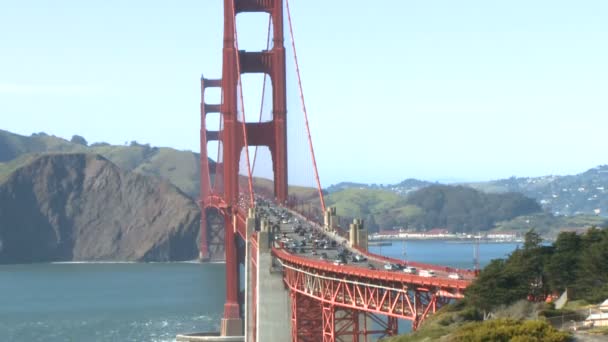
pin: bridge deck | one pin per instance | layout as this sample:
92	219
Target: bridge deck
305	243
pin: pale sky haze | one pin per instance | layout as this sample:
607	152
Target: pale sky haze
443	89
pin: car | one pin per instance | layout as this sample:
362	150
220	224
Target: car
324	256
427	273
455	276
389	267
371	267
360	257
338	262
410	270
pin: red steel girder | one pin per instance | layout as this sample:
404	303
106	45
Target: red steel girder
396	300
306	318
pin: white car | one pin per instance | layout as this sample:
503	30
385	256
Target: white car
427	273
454	276
410	270
389	267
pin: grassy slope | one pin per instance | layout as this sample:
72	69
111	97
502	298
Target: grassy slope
362	202
451	321
549	225
179	167
182	168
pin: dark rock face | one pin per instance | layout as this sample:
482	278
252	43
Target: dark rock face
68	207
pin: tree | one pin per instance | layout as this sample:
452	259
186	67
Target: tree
496	285
592	273
77	139
565	259
532	240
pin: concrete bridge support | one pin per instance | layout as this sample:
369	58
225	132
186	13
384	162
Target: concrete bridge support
272	319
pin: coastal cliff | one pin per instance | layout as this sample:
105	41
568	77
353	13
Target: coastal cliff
81	207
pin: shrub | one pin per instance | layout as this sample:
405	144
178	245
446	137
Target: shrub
506	330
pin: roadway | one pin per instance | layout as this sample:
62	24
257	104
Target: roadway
306	239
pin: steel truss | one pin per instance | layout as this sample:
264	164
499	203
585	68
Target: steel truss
351	296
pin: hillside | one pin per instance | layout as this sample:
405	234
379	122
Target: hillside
457	208
464	209
584	193
403	188
64	207
181	168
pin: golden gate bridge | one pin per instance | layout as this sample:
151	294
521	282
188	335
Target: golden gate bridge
262	200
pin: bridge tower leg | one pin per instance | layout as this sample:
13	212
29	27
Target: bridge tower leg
272	134
209	233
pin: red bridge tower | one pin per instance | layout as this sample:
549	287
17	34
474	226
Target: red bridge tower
234	135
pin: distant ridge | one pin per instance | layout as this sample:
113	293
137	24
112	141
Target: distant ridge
182	168
583	193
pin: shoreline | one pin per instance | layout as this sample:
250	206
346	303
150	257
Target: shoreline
446	239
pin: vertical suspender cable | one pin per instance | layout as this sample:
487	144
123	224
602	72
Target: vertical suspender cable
238	71
312	151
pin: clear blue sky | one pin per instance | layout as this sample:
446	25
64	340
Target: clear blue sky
436	90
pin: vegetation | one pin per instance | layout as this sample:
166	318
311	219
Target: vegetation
464	209
511	292
560	195
440	324
462	322
454	207
548	225
573	262
181	168
380	208
506	330
583	193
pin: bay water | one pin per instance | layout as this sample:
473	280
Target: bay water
152	301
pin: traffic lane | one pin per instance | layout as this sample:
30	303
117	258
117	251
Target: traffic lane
330	254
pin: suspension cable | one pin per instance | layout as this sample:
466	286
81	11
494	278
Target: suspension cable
312	151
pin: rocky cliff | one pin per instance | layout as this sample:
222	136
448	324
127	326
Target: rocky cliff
72	207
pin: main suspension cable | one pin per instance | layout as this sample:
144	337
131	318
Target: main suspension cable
312	151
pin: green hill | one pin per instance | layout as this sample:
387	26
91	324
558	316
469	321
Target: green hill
13	145
583	193
182	168
464	209
457	208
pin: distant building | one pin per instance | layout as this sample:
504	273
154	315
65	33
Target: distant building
598	318
502	235
437	232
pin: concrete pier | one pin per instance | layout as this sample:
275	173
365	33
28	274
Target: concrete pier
273	304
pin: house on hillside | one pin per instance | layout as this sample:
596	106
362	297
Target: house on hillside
598	318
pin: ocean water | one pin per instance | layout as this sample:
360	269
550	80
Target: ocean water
150	301
109	301
449	253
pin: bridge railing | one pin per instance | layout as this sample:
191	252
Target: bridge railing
456	285
421	265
